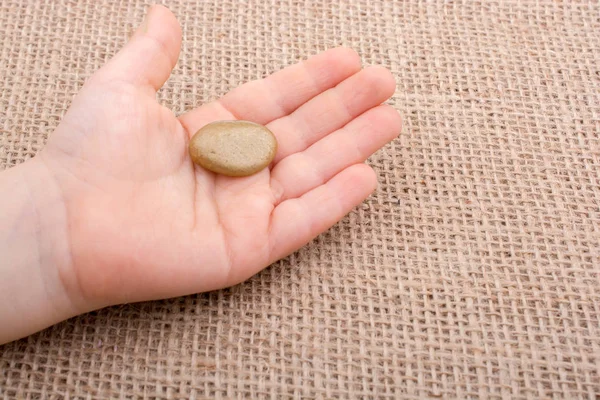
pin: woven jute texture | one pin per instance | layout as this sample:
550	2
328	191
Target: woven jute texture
472	272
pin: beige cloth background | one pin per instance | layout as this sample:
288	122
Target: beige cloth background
472	272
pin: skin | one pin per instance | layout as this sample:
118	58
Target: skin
113	210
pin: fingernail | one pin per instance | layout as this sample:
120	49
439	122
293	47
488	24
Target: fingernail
144	25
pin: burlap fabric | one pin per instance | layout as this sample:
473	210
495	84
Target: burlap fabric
472	272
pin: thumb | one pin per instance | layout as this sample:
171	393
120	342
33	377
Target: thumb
150	55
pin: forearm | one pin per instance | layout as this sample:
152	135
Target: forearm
33	252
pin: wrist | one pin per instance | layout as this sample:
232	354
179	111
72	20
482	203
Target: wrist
35	266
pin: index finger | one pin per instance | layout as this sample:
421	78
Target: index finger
279	94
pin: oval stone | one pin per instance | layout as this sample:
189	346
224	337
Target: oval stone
233	148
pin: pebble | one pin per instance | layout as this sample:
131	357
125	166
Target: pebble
233	148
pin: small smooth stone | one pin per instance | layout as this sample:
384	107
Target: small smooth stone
233	148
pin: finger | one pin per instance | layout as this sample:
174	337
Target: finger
279	94
295	222
354	143
149	57
331	110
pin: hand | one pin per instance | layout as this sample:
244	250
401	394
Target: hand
141	221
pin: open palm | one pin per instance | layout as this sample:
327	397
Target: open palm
144	222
